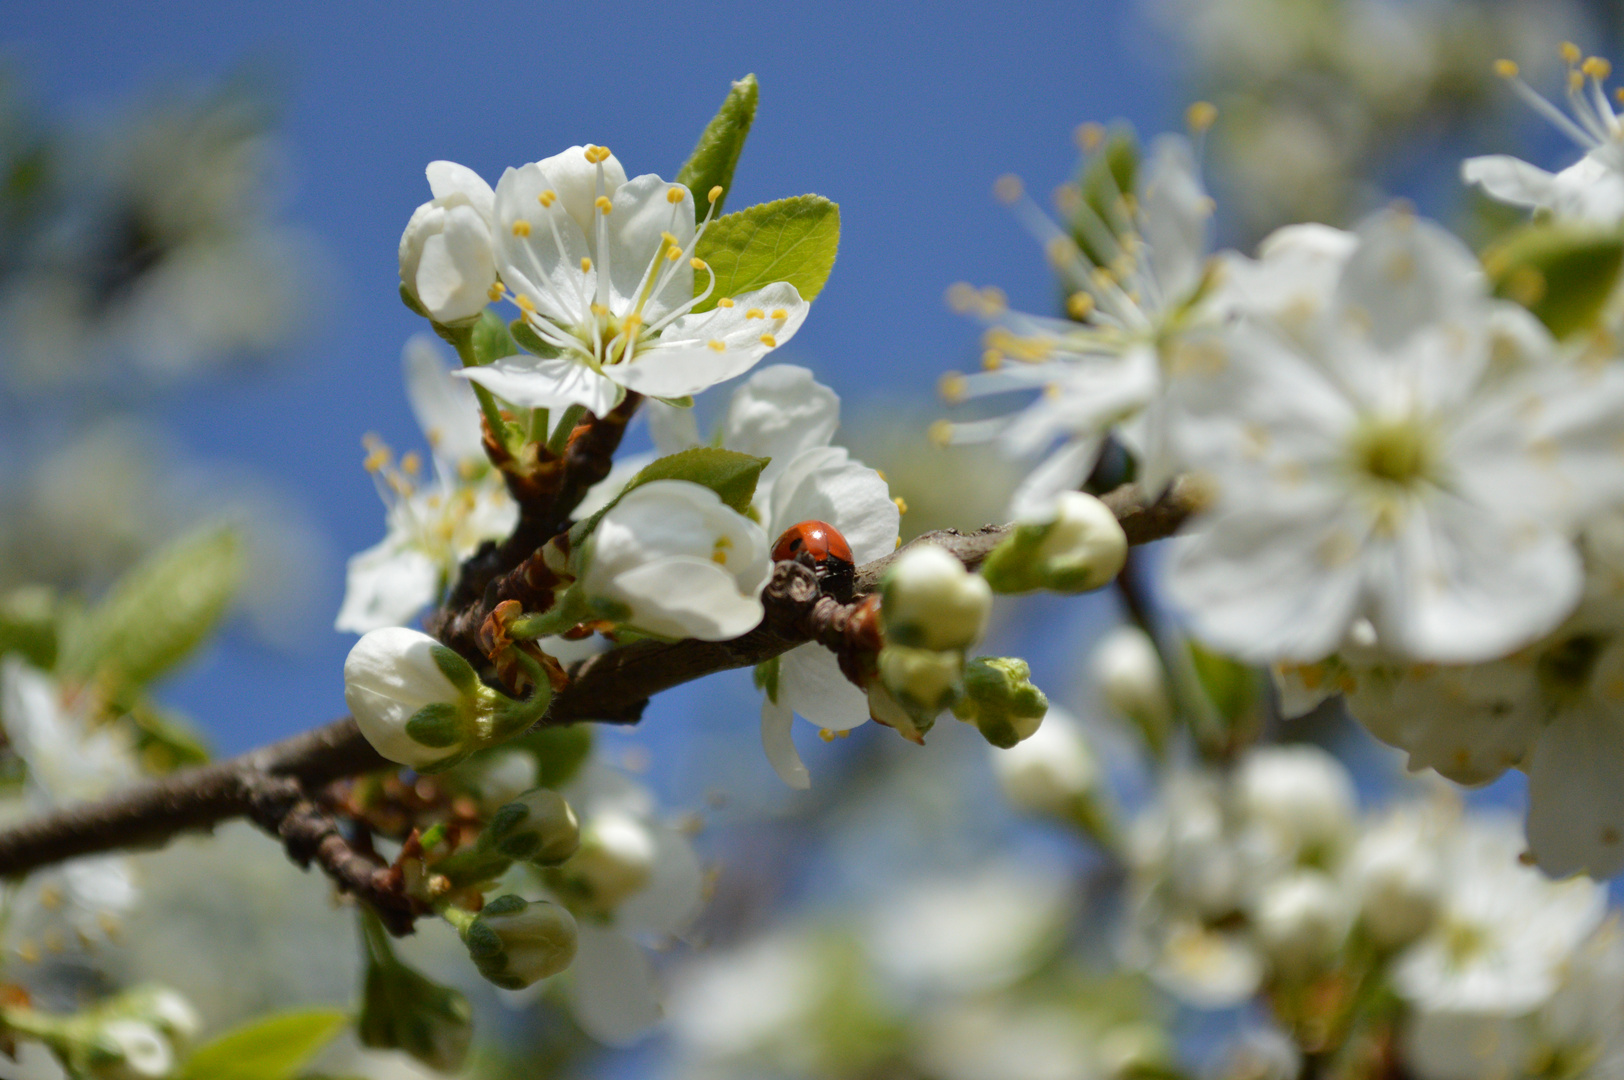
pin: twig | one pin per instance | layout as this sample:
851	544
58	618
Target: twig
612	687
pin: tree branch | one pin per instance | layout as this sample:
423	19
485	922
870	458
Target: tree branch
612	687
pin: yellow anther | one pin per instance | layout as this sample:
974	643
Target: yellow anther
1103	278
952	386
714	193
411	463
780	313
586	265
1576	81
668	238
699	264
1080	305
715	346
1200	116
1569	52
719	557
1619	94
1008	189
769	341
598	309
1052	391
941	433
992	360
1597	68
376	460
826	735
755	313
1506	69
596	154
50	897
902	504
525	304
548	197
961	297
726	301
723	542
993	300
673	254
521	228
881	474
603	204
495	291
673	194
1089	136
1062	250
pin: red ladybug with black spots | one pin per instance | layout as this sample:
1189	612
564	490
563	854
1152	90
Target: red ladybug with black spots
819	547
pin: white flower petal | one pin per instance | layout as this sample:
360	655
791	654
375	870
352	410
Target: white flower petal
1064	470
616	998
539	248
778	412
682	596
673	428
1176	212
536	382
1406	274
1510	180
450	181
575	181
642	213
445	407
811	683
457	267
386	585
675	891
1576	793
685	359
824	484
778	740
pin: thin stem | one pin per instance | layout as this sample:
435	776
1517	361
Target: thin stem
463	341
566	425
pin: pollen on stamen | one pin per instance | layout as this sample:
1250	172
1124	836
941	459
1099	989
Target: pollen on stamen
1569	52
673	254
673	194
769	341
1052	391
993	301
521	228
1008	189
700	264
714	193
525	304
755	313
715	346
495	291
961	297
941	433
780	313
952	387
902	504
1080	305
1200	116
826	735
603	204
596	154
586	265
1089	136
411	463
1062	251
1597	68
992	360
726	301
548	197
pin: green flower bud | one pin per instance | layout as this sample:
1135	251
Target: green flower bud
1000	700
910	722
537	827
416	701
1078	547
515	943
923	680
403	1010
930	601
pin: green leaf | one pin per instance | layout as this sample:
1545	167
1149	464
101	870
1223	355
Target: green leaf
490	338
159	612
793	240
525	337
559	752
1563	273
28	625
717	152
1234	689
165	740
273	1048
730	474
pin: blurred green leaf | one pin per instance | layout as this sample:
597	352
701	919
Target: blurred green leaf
491	339
717	153
1564	273
28	625
793	240
1233	688
165	740
273	1048
158	613
559	752
730	474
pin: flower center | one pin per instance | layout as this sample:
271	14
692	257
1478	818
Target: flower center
1395	451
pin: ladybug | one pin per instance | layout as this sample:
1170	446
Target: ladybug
819	546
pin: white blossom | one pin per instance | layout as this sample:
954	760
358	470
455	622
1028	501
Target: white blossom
446	260
432	526
1384	464
396	687
602	270
671	558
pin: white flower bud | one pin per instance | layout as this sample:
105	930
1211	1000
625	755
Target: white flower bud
1051	772
501	776
931	601
446	261
515	943
537	827
135	1049
921	679
671	558
614	863
1073	544
1131	679
1396	880
1300	798
412	700
1302	920
172	1013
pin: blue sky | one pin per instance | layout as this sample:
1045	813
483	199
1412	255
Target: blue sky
904	114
